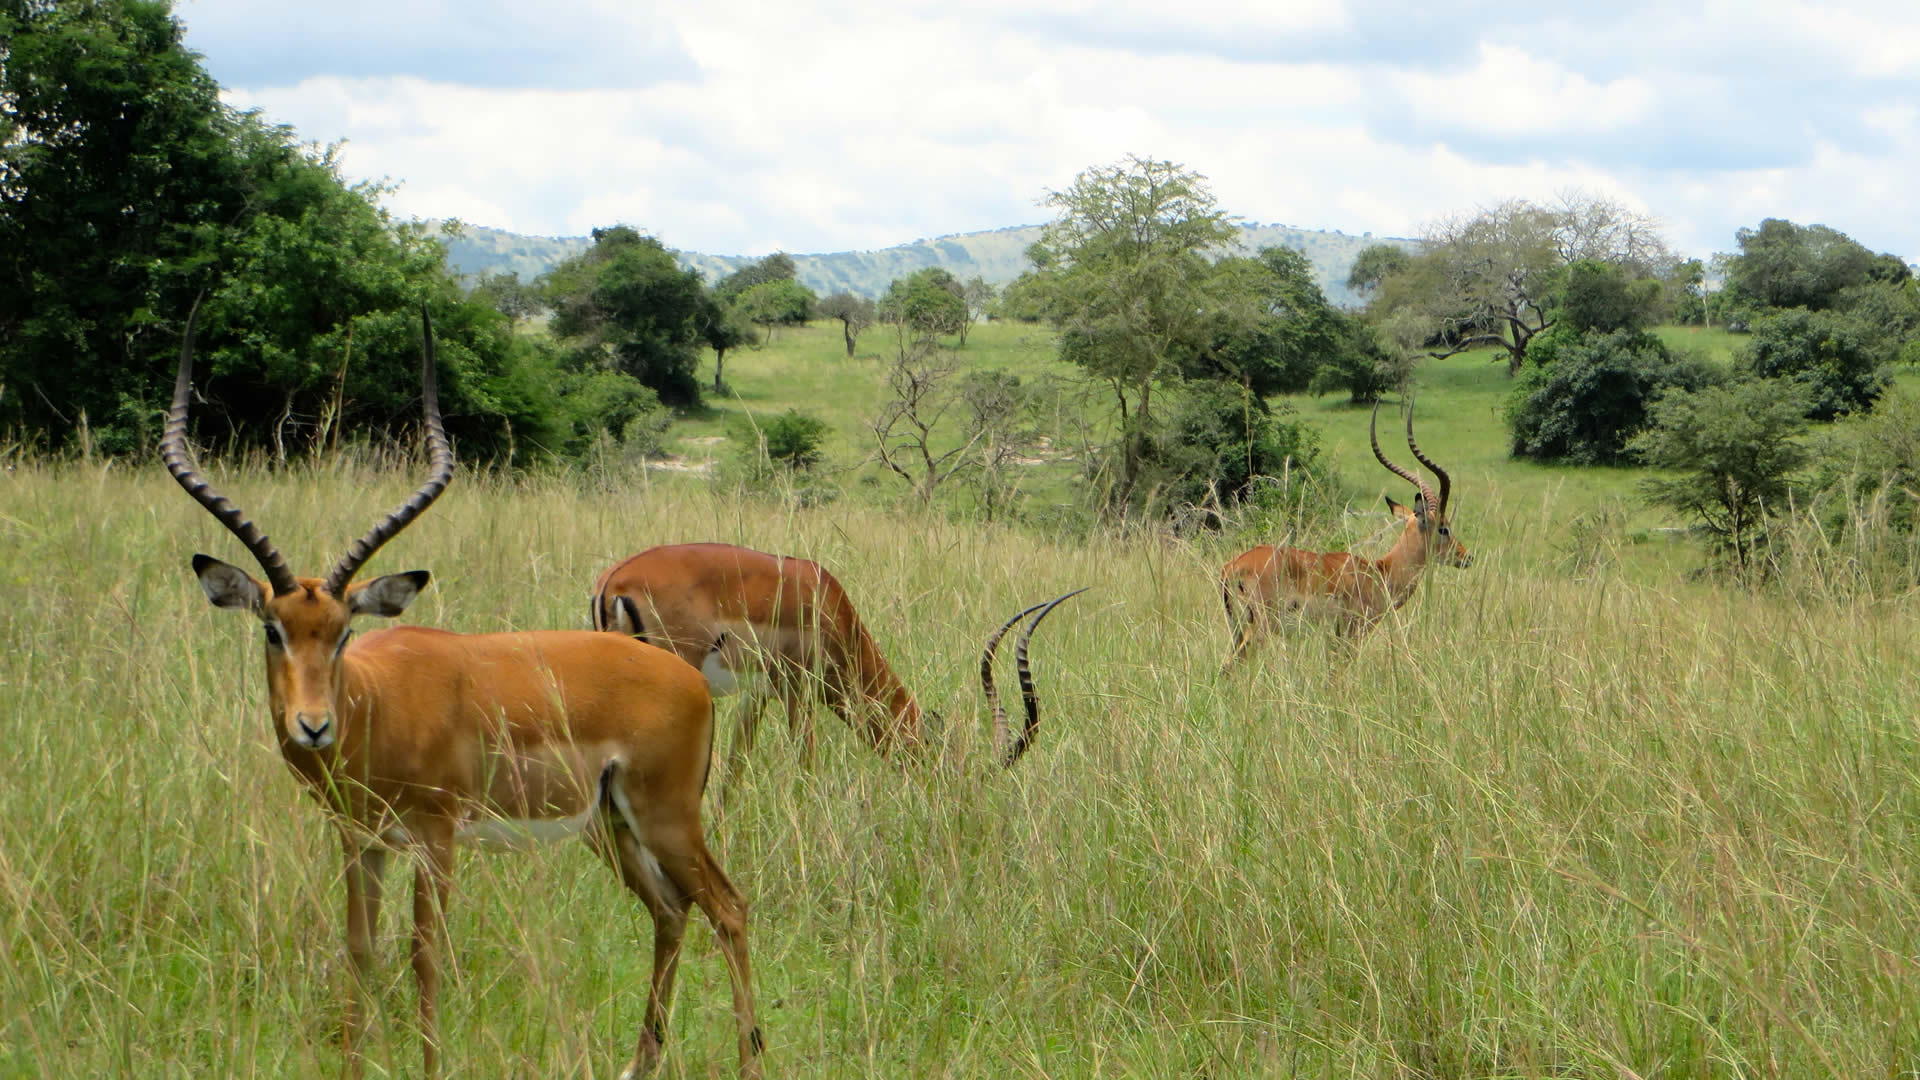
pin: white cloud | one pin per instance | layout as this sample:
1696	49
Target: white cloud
854	125
1512	93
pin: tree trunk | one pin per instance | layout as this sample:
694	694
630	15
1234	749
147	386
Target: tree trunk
846	328
719	364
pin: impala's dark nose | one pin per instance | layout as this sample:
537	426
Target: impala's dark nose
313	731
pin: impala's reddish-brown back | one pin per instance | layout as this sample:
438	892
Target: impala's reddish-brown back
414	738
1351	593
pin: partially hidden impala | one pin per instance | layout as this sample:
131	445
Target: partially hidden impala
1350	592
758	622
413	738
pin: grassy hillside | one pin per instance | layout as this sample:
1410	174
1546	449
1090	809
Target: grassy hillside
998	255
1537	826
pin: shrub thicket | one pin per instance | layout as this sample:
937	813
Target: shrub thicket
1594	393
1831	356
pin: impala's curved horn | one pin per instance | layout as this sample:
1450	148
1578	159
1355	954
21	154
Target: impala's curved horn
1373	436
1446	482
1012	748
440	460
173	451
986	678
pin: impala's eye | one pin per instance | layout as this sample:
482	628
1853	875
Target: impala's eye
1443	531
274	640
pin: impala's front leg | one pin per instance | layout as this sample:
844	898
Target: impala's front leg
431	882
366	865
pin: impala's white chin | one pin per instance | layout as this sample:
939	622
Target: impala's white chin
308	741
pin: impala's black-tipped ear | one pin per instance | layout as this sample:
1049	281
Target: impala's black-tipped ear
228	586
387	596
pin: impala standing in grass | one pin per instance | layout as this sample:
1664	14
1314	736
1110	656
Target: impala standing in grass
1352	593
413	738
760	622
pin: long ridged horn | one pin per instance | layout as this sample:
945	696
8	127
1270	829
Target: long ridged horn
1011	750
1446	482
440	460
1373	436
173	451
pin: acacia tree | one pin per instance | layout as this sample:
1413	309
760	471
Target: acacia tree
977	296
778	266
1124	269
1374	264
777	302
725	328
1734	450
508	295
854	312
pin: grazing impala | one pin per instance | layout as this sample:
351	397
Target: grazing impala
1337	586
744	616
413	738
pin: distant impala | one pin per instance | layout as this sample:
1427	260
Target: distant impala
1337	586
740	614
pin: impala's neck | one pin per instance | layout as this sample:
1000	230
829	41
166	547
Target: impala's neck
1400	568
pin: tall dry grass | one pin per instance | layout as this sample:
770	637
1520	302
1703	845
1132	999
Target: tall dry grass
1539	825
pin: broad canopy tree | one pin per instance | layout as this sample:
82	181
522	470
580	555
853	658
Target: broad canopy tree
929	302
127	189
1498	277
626	305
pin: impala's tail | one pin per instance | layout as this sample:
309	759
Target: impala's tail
618	614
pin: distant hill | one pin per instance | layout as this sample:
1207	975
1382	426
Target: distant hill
998	256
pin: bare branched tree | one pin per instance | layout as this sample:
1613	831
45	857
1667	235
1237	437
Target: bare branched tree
921	379
999	408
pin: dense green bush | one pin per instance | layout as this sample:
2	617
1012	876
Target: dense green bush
1829	355
1359	363
1594	394
1217	442
1600	298
793	439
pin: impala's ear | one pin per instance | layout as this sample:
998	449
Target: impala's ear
386	596
1398	510
228	586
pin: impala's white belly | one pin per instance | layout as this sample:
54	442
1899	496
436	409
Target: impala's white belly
724	680
499	832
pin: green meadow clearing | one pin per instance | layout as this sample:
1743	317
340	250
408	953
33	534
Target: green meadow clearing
1571	813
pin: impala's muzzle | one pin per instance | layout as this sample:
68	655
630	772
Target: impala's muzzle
313	730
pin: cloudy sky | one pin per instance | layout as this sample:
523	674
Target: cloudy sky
745	128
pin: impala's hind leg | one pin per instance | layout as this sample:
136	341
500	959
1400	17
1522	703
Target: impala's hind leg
662	856
693	872
615	841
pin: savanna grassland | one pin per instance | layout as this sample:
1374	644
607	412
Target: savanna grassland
1571	813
